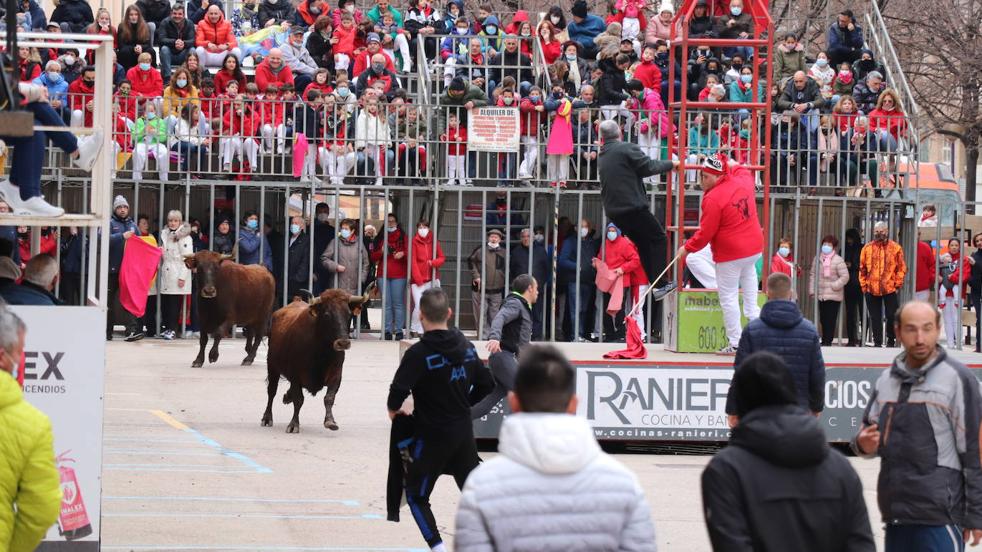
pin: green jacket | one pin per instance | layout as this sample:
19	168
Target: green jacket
472	94
376	15
787	62
28	476
140	131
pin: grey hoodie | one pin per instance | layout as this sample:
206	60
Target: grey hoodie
551	488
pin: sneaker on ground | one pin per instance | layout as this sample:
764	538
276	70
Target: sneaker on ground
729	350
134	336
37	206
88	150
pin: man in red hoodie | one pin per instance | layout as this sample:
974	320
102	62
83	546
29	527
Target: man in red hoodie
729	223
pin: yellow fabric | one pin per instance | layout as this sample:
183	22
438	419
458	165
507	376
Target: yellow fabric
28	476
152	284
173	104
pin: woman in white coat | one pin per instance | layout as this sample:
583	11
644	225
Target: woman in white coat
175	276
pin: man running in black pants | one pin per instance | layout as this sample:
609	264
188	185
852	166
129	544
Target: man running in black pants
622	167
511	330
446	377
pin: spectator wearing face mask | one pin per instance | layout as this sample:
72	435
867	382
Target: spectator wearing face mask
865	65
576	258
487	264
145	79
881	274
57	89
427	259
254	247
736	24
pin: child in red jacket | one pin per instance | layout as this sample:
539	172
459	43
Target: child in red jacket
343	42
456	138
238	136
531	116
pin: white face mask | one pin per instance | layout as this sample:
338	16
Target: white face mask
539	238
423	232
584	232
350	8
493	245
554	19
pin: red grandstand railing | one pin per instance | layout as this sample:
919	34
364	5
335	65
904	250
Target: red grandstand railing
762	44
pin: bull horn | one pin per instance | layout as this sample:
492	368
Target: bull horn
189	255
357	301
227	257
314	301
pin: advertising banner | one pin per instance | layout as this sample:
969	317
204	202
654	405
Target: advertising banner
63	377
493	129
631	402
694	321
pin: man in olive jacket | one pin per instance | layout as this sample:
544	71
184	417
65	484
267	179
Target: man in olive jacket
30	491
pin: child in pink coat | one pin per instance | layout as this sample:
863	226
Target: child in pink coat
560	144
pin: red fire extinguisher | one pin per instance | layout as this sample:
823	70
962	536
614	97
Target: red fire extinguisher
73	522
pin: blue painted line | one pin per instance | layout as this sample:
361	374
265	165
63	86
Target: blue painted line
255	548
246	515
209	442
234	499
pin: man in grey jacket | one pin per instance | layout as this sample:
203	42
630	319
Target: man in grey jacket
928	407
551	488
511	331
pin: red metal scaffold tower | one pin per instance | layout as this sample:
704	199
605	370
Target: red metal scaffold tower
761	42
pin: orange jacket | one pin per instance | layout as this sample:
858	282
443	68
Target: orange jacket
881	268
219	33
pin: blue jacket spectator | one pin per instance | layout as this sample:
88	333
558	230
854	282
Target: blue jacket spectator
39	21
844	43
249	245
119	224
782	330
28	294
569	264
9	234
584	27
57	87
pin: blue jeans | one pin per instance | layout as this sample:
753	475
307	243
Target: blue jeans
924	538
579	308
188	150
395	304
29	151
169	58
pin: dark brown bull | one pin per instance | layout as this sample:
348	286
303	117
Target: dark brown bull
307	342
230	293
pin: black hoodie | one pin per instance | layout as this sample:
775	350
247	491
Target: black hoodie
778	486
446	377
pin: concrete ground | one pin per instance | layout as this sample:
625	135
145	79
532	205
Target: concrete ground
188	467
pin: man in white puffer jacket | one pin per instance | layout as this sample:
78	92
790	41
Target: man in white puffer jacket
551	488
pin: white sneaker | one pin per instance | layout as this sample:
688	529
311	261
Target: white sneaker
37	206
88	149
378	181
11	194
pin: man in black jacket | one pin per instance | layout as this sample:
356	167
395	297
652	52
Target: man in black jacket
175	36
778	485
445	377
622	167
511	330
154	11
538	266
511	62
782	329
298	259
76	15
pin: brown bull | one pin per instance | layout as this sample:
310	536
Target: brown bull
307	342
228	294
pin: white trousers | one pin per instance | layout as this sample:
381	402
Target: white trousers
731	277
528	164
417	292
639	315
951	314
335	165
922	295
650	144
702	266
557	168
143	151
456	171
215	59
267	132
341	62
244	148
630	28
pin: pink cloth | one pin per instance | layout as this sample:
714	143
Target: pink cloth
561	136
827	265
611	283
299	153
140	261
635	347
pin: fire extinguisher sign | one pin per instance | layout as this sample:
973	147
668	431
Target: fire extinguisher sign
63	370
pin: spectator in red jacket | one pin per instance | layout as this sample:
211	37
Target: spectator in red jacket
783	261
926	269
239	136
145	80
392	273
127	101
427	259
30	64
273	71
648	72
621	255
531	116
81	94
49	245
321	82
951	290
214	38
230	71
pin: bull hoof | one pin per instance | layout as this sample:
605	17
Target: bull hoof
197	364
247	361
331	424
293	428
213	357
266	422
